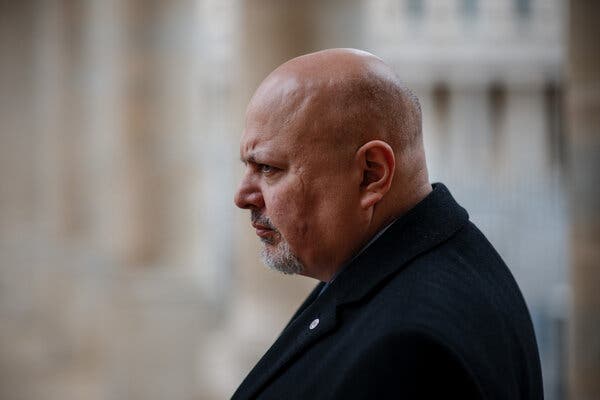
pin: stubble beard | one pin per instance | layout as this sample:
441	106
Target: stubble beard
276	253
280	258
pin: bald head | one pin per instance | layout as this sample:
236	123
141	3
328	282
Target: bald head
349	95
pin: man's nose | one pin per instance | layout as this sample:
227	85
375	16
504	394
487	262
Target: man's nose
248	195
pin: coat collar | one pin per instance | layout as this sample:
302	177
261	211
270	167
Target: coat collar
434	220
431	222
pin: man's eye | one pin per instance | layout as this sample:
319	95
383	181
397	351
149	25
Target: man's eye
266	169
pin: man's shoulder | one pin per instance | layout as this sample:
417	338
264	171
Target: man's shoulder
465	273
454	291
457	301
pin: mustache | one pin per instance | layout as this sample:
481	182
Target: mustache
256	218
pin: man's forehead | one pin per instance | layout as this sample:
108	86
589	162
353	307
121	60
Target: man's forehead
250	146
277	116
260	129
256	145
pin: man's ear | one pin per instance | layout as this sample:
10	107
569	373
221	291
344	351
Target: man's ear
377	161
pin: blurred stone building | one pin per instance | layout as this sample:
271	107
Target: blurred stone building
126	272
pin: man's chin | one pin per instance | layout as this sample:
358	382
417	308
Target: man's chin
279	257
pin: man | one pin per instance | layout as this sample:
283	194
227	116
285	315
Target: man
413	302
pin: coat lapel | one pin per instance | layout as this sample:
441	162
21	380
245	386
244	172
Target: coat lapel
429	223
295	338
309	300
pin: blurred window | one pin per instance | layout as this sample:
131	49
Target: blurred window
415	8
523	8
469	8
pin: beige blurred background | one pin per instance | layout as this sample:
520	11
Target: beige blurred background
125	270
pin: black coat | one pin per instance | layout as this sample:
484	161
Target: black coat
429	310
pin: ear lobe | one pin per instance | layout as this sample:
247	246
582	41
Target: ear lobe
378	163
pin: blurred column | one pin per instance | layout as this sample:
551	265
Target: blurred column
583	118
158	149
17	200
156	230
17	130
143	219
53	88
100	154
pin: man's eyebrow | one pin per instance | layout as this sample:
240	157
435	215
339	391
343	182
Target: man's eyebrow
248	159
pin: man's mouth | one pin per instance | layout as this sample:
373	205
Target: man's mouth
263	227
263	230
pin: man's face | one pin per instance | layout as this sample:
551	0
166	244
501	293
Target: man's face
300	187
